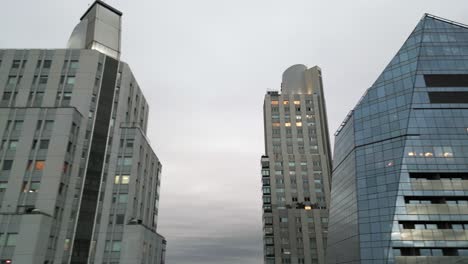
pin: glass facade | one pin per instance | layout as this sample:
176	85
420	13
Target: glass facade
400	176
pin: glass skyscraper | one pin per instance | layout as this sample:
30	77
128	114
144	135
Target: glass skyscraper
296	169
400	176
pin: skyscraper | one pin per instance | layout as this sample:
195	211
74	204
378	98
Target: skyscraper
79	181
400	176
296	169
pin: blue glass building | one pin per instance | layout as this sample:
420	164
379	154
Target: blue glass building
400	176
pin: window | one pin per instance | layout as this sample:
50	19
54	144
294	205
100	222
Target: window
39	124
274	102
122	179
34	187
74	64
16	64
113	246
125	179
39	165
119	219
67	95
3	186
446	80
47	64
65	167
129	143
18	125
7	164
11	239
71	80
123	198
11	80
43	79
296	102
6	96
285	102
125	161
44	144
49	125
12	145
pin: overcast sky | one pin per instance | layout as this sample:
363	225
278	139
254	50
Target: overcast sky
204	67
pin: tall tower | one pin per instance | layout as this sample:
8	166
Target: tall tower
79	181
296	169
400	176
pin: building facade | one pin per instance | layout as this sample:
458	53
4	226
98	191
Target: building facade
400	176
79	181
296	170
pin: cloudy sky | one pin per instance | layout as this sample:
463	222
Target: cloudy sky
204	67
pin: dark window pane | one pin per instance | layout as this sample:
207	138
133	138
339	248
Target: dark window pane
446	80
448	97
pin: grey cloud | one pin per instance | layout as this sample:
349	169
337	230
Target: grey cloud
204	67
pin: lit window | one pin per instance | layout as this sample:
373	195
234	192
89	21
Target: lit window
276	124
125	179
299	124
287	124
308	207
39	165
122	179
411	154
274	102
285	102
297	102
428	154
448	154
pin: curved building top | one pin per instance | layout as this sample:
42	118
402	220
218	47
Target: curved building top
297	79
